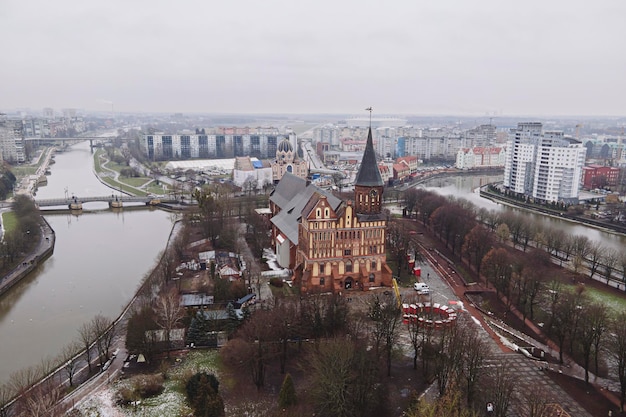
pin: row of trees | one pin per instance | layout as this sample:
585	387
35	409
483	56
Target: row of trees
452	220
36	390
7	182
526	278
25	234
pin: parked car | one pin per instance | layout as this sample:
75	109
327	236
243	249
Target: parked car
421	288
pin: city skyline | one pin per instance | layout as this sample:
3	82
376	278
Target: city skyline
480	58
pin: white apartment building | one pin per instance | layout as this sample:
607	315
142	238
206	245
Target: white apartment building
543	165
480	157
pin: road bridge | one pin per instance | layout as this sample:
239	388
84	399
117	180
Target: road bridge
105	199
91	139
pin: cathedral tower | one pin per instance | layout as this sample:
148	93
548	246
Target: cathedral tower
368	187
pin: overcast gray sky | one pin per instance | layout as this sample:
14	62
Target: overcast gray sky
531	57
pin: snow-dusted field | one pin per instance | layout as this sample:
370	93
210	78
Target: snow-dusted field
170	403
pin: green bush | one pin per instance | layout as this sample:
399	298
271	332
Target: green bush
125	396
149	385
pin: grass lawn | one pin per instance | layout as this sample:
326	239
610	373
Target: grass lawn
155	188
9	221
24	170
284	291
171	402
612	301
135	181
129	184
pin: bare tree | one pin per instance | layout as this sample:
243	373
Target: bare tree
502	387
567	248
345	380
526	232
87	336
448	357
410	200
600	320
622	262
554	240
610	258
581	245
253	346
104	330
41	399
496	266
617	347
6	396
531	281
169	313
535	400
386	315
473	359
69	360
22	380
477	243
593	257
503	232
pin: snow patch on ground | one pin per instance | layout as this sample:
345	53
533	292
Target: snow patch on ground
100	405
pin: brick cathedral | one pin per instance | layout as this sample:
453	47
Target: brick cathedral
332	244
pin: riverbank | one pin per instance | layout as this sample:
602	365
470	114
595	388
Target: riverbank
600	225
43	251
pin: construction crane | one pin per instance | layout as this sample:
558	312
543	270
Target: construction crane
396	291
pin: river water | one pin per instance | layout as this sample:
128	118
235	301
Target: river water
467	188
98	263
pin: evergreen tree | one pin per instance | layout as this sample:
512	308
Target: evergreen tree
287	395
203	395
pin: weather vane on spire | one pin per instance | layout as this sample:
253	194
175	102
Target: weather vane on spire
369	109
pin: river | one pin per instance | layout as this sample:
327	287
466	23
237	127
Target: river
467	187
98	263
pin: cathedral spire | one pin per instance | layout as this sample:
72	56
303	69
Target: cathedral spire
369	175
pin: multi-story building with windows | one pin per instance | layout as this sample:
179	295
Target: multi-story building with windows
598	176
546	166
329	243
211	146
11	140
479	157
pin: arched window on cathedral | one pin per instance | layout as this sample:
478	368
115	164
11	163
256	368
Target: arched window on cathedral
348	266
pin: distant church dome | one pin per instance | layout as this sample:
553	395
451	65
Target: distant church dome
285	146
285	153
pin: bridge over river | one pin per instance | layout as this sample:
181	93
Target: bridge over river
111	199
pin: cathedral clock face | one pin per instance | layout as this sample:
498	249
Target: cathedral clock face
373	193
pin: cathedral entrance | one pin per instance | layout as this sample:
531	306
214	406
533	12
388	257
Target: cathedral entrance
348	282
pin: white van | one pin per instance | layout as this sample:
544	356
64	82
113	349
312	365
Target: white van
421	288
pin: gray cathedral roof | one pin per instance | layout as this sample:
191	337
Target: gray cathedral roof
368	174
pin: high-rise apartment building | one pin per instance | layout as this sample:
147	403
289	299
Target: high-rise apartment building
546	166
11	141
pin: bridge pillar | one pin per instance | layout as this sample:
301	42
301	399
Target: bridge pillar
91	143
